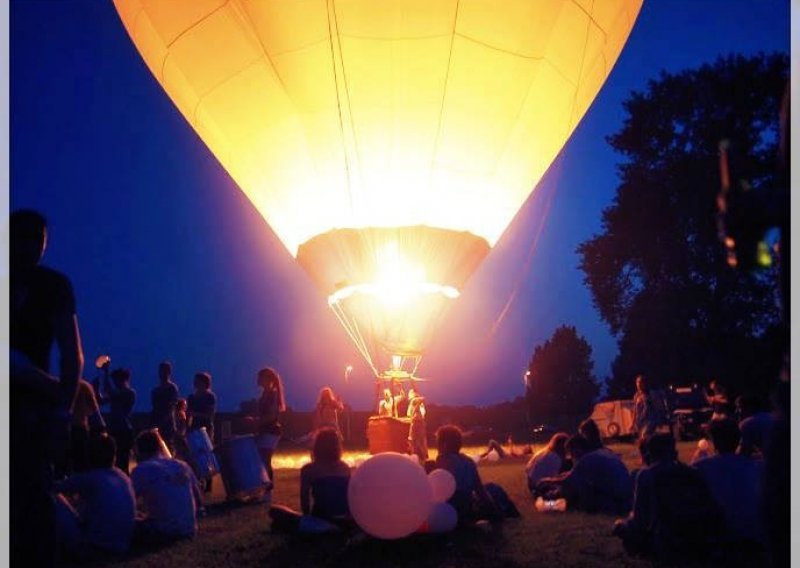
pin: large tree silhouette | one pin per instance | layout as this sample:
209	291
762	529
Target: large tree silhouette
657	272
560	378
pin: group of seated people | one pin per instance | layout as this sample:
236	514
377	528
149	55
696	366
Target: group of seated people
324	483
101	511
701	511
666	506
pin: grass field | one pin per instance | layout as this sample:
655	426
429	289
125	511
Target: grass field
239	535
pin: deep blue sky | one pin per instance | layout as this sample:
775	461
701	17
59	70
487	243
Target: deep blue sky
170	261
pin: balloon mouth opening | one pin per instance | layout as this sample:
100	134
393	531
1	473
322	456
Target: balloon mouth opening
393	295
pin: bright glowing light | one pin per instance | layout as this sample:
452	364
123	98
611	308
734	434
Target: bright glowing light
430	120
397	282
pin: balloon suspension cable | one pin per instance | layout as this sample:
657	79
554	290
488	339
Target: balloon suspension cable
355	335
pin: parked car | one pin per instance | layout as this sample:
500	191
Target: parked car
689	411
614	418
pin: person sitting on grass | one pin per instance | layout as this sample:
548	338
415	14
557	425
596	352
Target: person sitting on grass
755	425
674	516
472	499
167	492
547	462
102	520
323	490
736	483
597	483
588	429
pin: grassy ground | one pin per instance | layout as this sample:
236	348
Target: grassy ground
239	535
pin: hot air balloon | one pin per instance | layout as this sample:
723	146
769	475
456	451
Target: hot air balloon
387	143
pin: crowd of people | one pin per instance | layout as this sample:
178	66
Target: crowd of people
74	489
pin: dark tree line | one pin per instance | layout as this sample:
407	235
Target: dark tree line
657	271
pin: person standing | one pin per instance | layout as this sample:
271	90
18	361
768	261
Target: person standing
42	313
164	399
201	406
87	421
645	417
326	414
718	400
270	405
417	431
120	397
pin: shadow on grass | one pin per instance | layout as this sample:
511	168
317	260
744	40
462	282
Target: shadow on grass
474	546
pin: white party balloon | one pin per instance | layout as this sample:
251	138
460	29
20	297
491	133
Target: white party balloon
443	485
442	518
389	496
493	456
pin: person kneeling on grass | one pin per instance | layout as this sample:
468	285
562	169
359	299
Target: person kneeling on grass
167	491
472	499
102	519
323	490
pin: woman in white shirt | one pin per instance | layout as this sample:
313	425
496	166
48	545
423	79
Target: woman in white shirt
547	462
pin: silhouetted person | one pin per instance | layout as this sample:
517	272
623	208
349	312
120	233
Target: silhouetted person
42	313
201	406
270	405
597	483
167	492
591	433
417	431
674	516
103	516
547	462
326	413
735	482
163	398
323	489
87	421
121	398
755	424
471	499
645	417
718	400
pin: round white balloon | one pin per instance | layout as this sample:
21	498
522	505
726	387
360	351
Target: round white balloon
389	496
493	456
443	485
442	518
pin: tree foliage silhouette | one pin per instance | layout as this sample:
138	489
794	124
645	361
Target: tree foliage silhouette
657	272
560	378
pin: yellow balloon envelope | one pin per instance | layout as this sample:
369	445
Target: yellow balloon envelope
388	143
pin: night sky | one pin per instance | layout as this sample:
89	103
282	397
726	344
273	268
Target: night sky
170	261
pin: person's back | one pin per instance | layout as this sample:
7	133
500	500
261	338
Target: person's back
163	399
104	519
107	505
735	482
599	482
688	520
329	484
755	431
41	314
544	463
164	486
674	516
